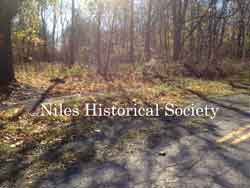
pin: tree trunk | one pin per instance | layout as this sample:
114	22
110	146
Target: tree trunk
166	34
178	21
45	54
54	34
148	33
131	50
110	47
62	25
199	44
211	30
72	40
6	66
99	38
192	37
176	34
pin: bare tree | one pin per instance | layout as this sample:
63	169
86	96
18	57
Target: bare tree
148	32
54	31
131	50
72	38
44	34
179	9
98	37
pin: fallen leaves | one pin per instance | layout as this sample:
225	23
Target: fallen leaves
208	87
17	144
8	114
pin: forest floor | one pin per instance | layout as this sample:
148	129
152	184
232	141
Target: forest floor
111	152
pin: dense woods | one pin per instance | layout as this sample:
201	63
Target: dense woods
106	33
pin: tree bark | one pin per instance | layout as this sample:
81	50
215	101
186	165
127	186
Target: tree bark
6	61
192	37
211	29
148	33
179	8
131	50
72	40
45	54
99	38
54	34
177	40
199	44
110	47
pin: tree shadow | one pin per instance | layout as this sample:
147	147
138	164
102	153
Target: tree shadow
169	149
11	169
187	164
218	165
220	104
96	173
77	146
